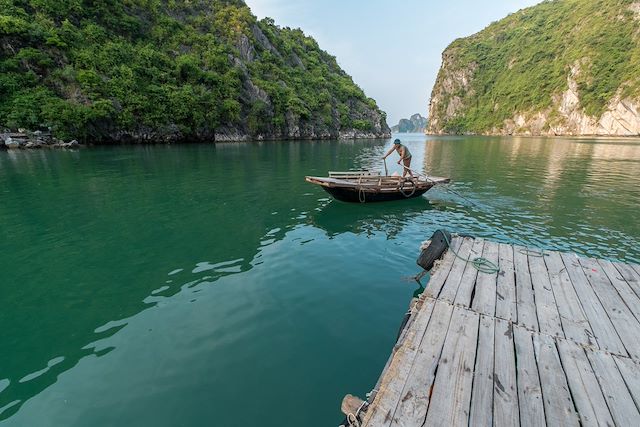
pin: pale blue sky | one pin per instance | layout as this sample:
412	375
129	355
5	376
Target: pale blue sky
391	48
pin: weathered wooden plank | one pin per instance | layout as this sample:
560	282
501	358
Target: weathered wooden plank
415	396
451	397
603	329
629	274
527	315
482	395
558	405
440	273
450	288
397	371
630	370
614	389
546	307
529	390
468	282
505	391
623	320
624	289
484	300
586	392
506	307
574	321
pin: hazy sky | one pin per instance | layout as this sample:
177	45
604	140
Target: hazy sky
391	48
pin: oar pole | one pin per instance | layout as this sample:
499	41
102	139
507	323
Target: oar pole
386	172
416	172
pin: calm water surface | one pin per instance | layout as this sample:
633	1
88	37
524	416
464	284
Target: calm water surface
210	285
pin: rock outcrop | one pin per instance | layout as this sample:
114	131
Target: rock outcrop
38	139
542	72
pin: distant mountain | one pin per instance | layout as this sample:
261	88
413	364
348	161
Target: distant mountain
416	124
563	67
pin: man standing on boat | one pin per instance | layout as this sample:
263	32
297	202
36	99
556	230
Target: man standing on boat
405	156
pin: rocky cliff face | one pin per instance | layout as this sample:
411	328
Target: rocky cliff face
171	71
415	124
565	67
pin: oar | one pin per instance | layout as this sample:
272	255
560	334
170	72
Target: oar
386	172
416	172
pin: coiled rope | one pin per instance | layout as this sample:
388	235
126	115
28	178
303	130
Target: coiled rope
481	264
401	189
362	196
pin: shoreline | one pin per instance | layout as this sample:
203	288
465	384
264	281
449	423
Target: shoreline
34	141
489	135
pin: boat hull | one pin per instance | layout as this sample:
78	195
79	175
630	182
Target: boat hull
351	195
358	187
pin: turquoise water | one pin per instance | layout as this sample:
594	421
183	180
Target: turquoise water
210	285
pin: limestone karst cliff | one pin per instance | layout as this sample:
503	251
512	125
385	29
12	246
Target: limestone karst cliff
179	70
563	67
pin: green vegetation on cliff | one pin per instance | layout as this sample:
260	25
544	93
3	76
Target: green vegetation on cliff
168	69
521	64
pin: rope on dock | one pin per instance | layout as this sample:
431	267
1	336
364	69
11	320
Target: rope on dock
481	264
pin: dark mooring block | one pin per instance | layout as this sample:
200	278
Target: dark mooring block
434	251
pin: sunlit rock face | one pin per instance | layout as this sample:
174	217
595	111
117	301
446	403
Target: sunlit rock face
541	71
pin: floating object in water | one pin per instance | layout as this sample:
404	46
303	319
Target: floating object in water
365	186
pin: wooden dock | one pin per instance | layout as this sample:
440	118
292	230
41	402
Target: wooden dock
551	339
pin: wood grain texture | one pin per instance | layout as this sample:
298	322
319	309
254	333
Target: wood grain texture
574	321
451	397
546	307
527	315
558	404
505	391
450	288
416	394
604	331
529	389
584	386
506	307
482	394
484	301
615	391
468	282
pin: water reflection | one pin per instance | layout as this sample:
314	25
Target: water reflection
336	218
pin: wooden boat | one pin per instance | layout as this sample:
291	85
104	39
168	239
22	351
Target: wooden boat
366	187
